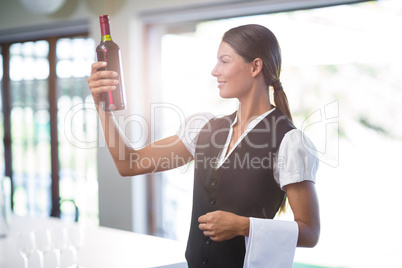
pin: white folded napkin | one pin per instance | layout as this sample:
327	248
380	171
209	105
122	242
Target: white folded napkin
271	243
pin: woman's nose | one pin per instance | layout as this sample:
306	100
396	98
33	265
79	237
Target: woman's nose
214	71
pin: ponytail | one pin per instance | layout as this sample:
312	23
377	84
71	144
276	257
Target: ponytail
281	102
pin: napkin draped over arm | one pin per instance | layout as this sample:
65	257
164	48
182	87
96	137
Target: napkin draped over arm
271	243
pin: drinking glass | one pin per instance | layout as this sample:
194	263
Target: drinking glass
43	244
76	237
26	246
59	243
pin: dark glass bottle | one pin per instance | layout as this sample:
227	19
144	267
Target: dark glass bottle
109	51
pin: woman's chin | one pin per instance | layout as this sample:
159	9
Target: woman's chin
225	95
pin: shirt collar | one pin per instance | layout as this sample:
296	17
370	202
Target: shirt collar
255	121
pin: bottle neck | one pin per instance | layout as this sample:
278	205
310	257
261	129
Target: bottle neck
105	31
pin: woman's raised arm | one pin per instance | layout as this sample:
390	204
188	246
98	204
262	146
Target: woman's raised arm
157	156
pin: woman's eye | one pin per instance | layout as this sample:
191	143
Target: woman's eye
224	61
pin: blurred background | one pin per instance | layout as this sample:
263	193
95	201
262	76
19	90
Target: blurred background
342	65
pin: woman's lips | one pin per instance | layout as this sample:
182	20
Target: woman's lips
221	84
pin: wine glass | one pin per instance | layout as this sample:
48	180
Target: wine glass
43	244
26	246
76	237
59	243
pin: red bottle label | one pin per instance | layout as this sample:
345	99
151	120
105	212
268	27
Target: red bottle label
104	24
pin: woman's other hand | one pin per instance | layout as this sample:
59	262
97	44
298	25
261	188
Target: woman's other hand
221	225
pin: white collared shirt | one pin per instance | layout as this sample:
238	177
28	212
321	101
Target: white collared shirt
296	160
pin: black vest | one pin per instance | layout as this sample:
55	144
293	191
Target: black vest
244	184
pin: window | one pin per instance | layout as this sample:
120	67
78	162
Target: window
52	123
29	70
77	124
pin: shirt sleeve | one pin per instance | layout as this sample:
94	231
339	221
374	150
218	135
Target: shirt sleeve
297	159
190	129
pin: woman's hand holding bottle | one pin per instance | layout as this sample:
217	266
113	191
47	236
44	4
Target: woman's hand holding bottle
101	81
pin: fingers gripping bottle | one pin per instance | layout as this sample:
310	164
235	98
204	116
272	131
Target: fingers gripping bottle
109	51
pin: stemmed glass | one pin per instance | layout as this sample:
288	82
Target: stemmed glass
43	244
26	245
76	237
59	243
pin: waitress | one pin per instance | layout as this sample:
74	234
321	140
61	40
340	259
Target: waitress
248	165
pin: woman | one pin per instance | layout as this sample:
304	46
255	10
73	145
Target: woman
246	163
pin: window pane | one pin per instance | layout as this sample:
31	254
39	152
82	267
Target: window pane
27	49
77	124
41	49
63	49
75	57
29	61
16	65
41	68
30	128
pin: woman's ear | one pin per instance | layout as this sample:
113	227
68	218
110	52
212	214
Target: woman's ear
256	66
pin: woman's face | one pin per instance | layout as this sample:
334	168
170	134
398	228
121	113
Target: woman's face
234	74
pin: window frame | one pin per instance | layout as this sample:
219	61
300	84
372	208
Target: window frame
51	34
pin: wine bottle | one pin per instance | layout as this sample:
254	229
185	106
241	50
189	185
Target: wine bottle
109	51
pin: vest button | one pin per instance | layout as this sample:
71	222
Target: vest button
212	201
209	241
204	260
214	182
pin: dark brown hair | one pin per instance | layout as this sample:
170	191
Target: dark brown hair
256	41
